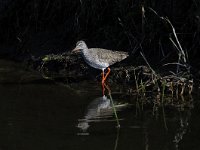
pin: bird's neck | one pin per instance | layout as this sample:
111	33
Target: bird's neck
84	51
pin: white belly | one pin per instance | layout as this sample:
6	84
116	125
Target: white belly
98	65
94	61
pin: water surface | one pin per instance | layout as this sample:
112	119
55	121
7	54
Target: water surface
39	114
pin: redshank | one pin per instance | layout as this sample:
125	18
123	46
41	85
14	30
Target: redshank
99	58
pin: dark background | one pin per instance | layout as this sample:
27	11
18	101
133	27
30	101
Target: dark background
39	27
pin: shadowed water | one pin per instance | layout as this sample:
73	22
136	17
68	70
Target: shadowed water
40	114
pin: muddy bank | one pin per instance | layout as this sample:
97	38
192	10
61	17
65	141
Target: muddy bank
71	68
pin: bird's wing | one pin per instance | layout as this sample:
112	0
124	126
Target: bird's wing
110	56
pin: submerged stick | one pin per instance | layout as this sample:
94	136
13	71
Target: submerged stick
113	106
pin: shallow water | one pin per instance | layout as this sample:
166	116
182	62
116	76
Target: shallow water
38	114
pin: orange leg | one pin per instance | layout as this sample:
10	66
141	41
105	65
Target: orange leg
107	74
102	82
104	79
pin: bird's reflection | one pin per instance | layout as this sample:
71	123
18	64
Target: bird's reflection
97	109
100	109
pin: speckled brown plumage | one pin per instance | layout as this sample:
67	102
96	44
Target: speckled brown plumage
100	58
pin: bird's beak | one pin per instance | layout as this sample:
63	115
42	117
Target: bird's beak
76	50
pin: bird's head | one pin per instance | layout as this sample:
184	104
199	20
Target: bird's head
80	45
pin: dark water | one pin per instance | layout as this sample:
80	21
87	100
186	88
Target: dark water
37	114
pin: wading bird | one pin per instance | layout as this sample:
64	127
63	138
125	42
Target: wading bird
99	58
